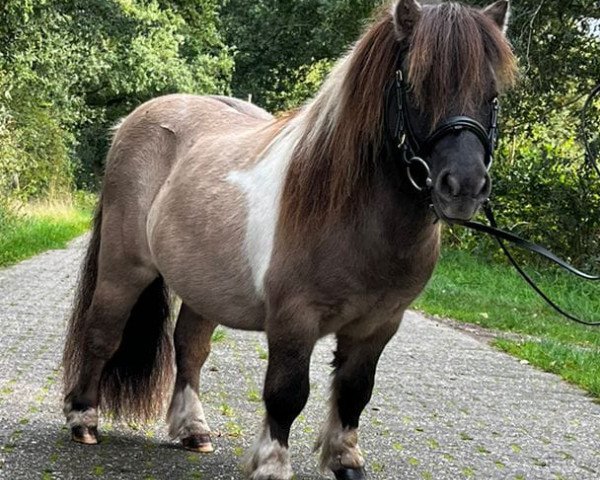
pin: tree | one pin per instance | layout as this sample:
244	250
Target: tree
76	66
276	43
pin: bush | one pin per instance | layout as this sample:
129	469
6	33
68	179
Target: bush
299	85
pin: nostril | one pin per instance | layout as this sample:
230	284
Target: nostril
450	185
485	187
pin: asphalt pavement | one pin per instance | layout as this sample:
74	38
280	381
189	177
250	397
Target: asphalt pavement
446	405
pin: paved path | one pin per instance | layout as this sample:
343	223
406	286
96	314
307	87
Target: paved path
446	406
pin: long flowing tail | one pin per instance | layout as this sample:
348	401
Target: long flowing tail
73	352
136	379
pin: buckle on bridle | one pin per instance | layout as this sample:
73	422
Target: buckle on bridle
402	140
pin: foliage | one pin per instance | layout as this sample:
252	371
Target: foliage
276	40
7	216
70	68
300	84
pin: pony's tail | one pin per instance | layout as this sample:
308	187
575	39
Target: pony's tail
73	354
135	380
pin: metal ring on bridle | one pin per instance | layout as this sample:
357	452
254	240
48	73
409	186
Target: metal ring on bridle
422	163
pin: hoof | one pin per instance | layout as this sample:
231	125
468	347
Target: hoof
198	443
85	435
350	474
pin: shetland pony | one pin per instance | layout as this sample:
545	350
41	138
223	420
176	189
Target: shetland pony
300	226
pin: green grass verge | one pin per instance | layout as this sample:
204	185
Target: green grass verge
577	365
493	296
34	228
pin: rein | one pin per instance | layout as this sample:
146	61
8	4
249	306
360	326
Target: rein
401	138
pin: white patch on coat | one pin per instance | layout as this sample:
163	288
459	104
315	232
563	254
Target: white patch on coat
262	186
339	446
268	459
186	415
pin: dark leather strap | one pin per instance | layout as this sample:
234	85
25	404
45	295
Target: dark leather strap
502	235
456	124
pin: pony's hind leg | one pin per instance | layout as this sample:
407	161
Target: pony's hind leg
117	291
186	416
355	363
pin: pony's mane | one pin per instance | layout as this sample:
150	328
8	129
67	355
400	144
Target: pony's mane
336	152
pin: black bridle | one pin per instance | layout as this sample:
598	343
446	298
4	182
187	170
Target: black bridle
414	153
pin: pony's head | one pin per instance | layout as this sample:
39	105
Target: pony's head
456	61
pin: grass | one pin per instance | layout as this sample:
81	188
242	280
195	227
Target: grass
578	366
493	296
219	335
26	230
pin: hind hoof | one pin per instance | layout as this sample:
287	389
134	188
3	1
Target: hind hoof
198	443
351	474
85	435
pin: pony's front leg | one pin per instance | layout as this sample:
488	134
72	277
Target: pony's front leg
291	340
355	363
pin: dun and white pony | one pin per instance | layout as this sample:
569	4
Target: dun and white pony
301	226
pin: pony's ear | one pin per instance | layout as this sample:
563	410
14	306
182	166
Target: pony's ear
406	14
499	12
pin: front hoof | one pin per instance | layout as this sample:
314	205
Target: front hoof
198	443
272	471
350	474
84	435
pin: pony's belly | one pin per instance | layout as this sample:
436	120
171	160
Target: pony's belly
210	286
230	311
196	230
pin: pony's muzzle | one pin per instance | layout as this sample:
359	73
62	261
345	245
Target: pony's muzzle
457	197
